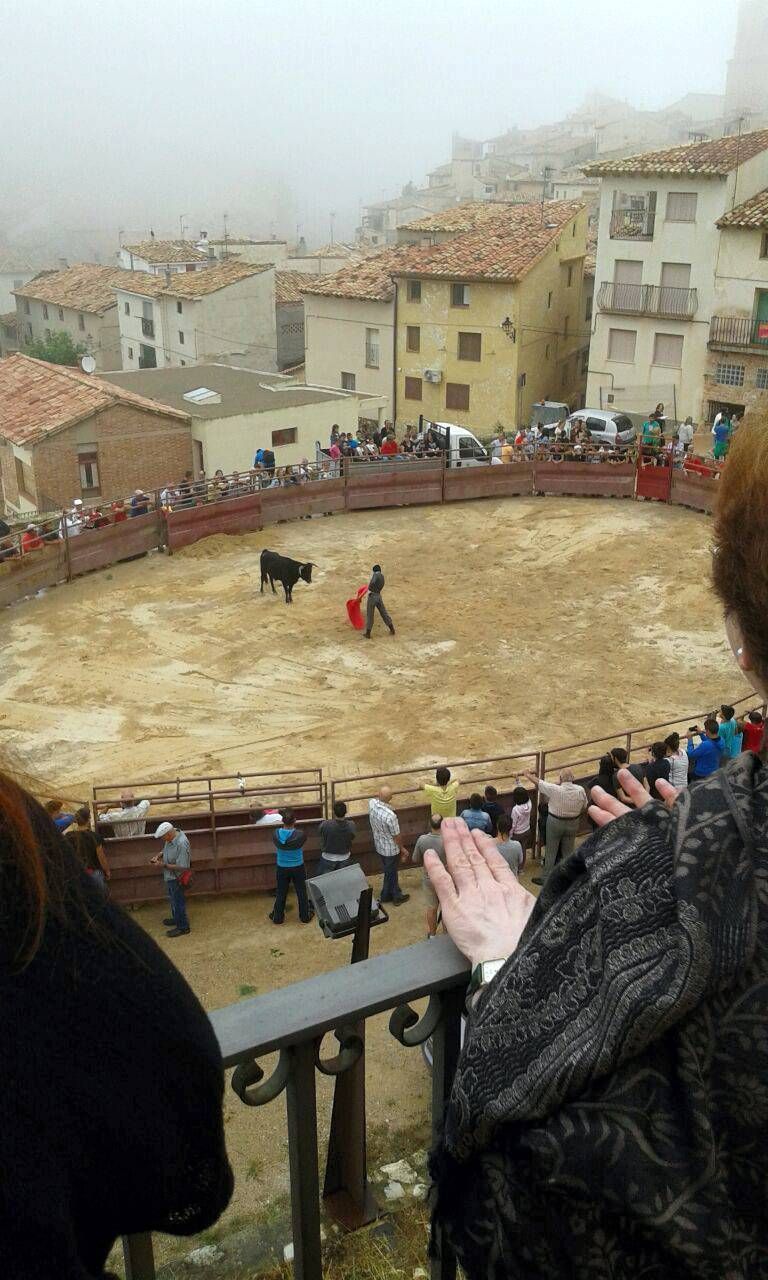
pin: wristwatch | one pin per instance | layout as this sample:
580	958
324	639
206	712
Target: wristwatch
482	974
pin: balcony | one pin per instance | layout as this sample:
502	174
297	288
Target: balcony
647	300
372	355
147	327
738	331
632	224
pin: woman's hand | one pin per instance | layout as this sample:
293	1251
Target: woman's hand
484	907
605	808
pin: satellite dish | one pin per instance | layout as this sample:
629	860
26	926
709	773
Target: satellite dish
87	364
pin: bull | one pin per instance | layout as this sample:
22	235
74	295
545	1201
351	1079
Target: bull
275	567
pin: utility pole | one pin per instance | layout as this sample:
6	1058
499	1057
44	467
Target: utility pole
333	215
182	216
226	237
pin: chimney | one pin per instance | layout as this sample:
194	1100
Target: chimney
168	276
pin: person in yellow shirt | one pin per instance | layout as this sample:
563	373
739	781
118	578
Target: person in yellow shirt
507	451
442	796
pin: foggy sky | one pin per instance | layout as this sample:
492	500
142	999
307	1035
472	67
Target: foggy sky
278	113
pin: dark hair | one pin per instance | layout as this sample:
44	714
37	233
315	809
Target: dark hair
257	814
658	750
711	727
740	562
53	806
504	824
727	711
520	795
376	568
287	817
442	776
435	822
673	741
491	793
620	754
606	765
339	809
756	717
83	814
475	801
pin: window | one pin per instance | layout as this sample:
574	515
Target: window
179	308
81	323
413	388
761	378
18	284
675	275
181	337
627	271
25	480
570	277
764	245
522	380
61	313
413	291
371	348
668	350
456	395
127	308
183	364
88	463
585	360
45	312
681	206
29	332
413	338
730	375
459	295
347	381
470	346
130	353
621	345
26	306
588	307
549	301
286	435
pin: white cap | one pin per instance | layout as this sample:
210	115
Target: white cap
163	830
78	502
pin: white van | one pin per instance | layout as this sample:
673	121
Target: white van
461	447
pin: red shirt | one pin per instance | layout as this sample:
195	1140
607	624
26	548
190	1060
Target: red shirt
119	514
753	736
30	541
389	446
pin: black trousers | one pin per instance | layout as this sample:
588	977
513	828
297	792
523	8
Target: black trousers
285	877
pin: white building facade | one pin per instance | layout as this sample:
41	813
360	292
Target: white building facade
658	283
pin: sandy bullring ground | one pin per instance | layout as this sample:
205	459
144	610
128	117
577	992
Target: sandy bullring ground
520	623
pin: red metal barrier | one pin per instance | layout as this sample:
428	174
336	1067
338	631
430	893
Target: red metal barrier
508	479
97	548
294	502
653	482
394	484
692	490
233	515
22	575
586	479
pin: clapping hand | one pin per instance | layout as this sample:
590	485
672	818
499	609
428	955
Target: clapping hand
606	808
484	907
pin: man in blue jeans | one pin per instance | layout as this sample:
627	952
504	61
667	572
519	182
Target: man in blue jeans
385	830
176	860
289	842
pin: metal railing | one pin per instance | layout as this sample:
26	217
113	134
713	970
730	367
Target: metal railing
371	355
147	327
293	1022
498	771
737	331
632	224
647	300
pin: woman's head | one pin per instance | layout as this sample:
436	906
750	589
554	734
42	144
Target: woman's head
658	750
504	825
606	765
672	742
442	776
520	796
53	808
740	562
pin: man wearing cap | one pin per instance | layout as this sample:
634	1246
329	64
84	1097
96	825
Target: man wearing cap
139	503
374	602
176	860
30	539
72	521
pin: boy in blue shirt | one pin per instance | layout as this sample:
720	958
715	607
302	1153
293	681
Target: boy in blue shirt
475	816
710	751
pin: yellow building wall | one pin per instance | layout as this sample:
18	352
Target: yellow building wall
542	351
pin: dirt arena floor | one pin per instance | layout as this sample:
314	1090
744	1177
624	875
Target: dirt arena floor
520	623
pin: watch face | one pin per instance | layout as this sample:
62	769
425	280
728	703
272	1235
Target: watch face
489	969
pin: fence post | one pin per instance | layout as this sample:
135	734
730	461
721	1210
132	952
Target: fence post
444	465
67	552
446	1044
139	1257
301	1103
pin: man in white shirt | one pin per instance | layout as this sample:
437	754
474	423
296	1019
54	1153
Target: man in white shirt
260	817
72	521
685	435
567	801
129	819
385	830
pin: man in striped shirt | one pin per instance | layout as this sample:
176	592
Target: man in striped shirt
385	830
566	802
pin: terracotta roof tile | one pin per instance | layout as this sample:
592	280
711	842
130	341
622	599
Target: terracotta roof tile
167	251
85	286
462	217
37	398
290	285
369	280
752	213
503	248
191	284
713	159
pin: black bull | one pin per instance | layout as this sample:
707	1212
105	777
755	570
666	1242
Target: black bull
279	568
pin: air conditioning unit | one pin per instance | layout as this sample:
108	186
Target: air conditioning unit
433	375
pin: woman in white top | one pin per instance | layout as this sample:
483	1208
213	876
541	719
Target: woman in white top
678	761
521	817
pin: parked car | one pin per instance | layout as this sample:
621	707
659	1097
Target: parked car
605	426
548	412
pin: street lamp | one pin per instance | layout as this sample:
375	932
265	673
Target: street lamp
509	329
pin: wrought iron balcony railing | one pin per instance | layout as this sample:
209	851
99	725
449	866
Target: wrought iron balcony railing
648	300
737	331
632	224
